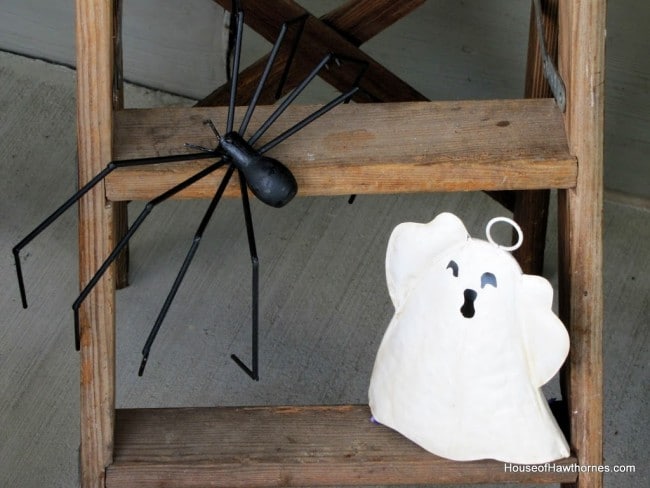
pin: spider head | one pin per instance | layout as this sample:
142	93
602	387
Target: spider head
269	180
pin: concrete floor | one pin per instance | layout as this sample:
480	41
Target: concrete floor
322	266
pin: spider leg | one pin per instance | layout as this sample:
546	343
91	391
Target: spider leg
263	78
308	120
344	98
235	69
130	232
113	165
364	67
254	371
290	98
181	274
301	21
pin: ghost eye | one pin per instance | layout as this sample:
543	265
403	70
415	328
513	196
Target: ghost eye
454	267
488	279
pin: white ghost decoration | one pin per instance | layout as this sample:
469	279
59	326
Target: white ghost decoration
473	339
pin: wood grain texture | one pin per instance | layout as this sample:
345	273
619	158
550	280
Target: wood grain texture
536	84
96	237
366	148
282	446
120	208
582	42
360	20
531	207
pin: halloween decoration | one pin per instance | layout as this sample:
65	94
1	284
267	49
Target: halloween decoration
473	339
268	179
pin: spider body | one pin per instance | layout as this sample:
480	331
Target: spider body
268	179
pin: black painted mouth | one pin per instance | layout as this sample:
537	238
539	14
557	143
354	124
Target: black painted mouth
468	307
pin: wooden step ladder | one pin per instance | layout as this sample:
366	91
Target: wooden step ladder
526	144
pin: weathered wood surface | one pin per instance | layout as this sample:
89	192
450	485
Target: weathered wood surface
94	30
120	208
361	20
530	209
283	446
368	148
582	43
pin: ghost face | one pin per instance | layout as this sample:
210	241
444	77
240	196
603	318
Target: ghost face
463	312
476	280
469	295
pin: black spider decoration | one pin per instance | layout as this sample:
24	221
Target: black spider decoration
268	179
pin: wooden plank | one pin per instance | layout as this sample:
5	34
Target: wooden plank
361	20
94	29
367	148
284	446
582	55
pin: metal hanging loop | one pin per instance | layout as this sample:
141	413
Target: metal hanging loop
520	234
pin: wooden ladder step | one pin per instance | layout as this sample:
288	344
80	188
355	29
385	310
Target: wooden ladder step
363	148
286	446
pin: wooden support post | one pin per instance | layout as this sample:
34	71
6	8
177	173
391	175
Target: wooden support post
531	207
120	208
582	41
94	28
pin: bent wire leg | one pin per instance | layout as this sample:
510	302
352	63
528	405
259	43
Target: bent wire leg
81	192
235	69
308	120
290	98
263	78
181	273
343	98
301	21
130	232
364	67
254	371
